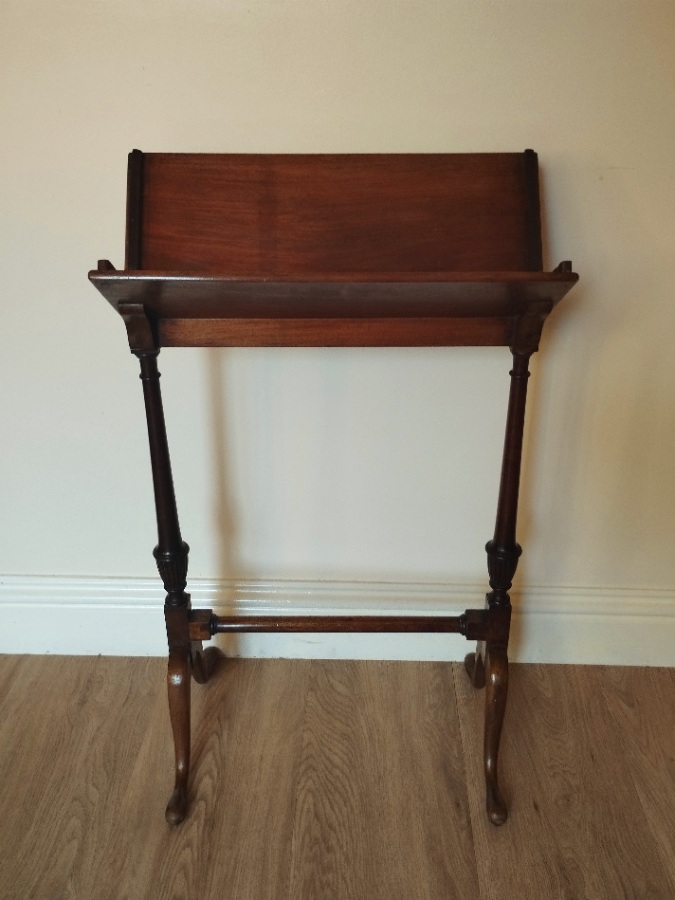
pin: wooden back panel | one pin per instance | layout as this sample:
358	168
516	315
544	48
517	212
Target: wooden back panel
313	215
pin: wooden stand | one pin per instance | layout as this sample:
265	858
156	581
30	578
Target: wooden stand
333	251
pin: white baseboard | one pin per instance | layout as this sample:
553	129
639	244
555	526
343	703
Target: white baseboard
123	617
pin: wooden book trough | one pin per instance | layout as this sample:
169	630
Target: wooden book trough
231	250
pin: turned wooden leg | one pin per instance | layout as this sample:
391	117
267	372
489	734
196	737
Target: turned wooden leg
497	685
178	683
475	665
186	660
171	556
503	553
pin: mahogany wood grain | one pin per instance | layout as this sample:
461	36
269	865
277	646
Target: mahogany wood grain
178	689
323	241
333	624
334	250
329	332
170	294
381	309
277	214
496	691
171	552
171	555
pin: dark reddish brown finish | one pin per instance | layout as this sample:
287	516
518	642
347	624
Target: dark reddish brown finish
328	332
350	295
496	690
328	250
300	215
332	624
333	250
353	309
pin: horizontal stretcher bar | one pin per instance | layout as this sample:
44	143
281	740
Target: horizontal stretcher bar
204	624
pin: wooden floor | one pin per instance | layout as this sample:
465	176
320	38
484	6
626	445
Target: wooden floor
345	780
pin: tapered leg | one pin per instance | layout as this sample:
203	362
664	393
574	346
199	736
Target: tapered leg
171	555
178	683
488	666
497	685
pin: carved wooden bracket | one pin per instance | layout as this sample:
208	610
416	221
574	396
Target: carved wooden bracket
528	327
141	330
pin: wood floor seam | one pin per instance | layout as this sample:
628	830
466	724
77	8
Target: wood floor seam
334	780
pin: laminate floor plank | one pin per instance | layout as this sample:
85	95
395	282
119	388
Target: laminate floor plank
252	752
642	702
317	780
38	773
382	809
246	723
121	865
576	829
20	677
10	672
72	744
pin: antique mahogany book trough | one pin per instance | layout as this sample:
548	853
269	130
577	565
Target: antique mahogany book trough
333	251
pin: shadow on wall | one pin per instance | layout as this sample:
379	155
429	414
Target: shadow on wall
228	460
598	484
609	429
224	517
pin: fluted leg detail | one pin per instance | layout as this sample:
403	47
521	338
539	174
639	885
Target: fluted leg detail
489	665
172	566
171	555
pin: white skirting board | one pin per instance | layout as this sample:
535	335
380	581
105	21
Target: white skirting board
123	617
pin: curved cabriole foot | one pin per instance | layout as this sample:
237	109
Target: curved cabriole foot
497	684
204	662
176	809
475	669
496	806
178	682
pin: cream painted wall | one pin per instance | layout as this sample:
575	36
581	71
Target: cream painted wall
347	465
